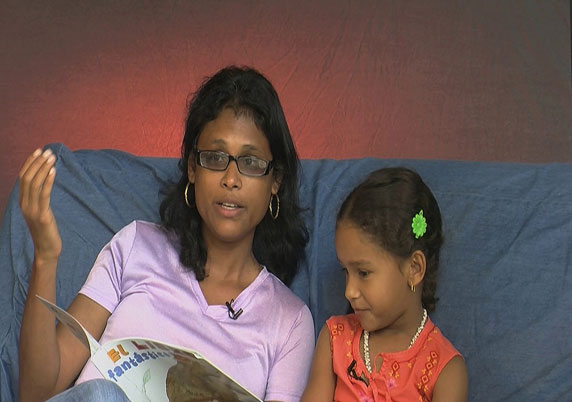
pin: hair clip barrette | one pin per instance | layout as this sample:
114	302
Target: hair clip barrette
419	225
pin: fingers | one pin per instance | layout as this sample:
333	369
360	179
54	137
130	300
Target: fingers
44	200
39	185
22	192
30	159
36	181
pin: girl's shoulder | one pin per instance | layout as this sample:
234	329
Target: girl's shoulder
342	323
433	338
432	333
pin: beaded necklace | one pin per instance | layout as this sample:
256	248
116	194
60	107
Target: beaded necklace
366	341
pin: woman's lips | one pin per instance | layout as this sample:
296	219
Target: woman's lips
229	209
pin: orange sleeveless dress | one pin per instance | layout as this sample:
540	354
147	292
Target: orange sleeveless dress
409	375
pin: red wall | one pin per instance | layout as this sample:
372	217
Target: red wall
416	79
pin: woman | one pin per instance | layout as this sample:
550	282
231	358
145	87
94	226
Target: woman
211	277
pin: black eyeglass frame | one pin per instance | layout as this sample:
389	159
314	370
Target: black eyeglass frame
231	158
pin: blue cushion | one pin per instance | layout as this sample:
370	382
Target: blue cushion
504	283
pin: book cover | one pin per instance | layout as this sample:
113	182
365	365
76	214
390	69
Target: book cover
149	370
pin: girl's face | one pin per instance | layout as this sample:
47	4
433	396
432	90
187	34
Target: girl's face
231	204
376	285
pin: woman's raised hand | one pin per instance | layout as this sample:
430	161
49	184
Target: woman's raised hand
36	179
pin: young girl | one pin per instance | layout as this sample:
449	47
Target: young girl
212	276
388	238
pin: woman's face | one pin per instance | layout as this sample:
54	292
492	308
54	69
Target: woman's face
231	204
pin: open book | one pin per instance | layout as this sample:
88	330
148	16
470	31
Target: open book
149	370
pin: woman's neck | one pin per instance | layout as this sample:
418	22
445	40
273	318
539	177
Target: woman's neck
231	265
228	273
228	258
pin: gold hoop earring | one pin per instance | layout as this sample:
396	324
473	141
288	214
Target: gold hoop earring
412	287
274	216
186	190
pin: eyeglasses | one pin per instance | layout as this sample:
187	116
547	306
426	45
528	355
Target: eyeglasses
247	165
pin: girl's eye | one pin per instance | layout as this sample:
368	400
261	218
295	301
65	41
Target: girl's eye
363	274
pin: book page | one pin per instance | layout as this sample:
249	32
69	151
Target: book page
73	325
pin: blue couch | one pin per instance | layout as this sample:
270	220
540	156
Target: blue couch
505	282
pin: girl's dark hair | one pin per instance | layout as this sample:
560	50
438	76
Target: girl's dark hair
278	244
384	205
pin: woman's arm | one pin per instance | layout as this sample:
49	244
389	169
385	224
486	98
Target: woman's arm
49	359
452	384
322	381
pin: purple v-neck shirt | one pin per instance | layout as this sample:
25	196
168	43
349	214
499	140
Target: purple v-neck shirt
139	279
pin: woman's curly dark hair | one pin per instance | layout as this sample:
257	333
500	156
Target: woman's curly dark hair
384	206
278	244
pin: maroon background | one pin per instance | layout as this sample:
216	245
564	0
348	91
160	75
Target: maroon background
443	79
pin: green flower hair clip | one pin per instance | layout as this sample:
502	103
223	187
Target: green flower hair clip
419	225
